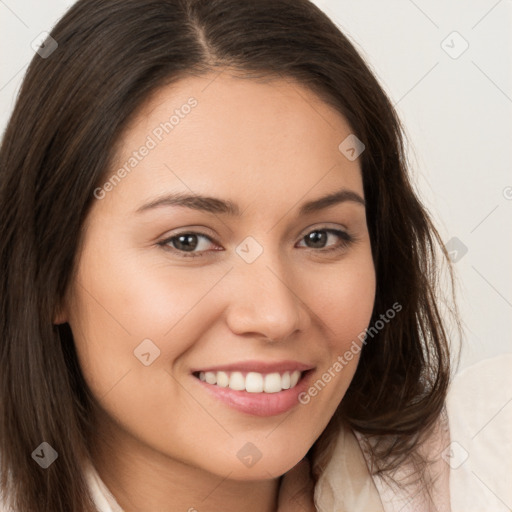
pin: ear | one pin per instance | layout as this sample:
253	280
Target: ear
60	316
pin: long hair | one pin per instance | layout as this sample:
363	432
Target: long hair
58	147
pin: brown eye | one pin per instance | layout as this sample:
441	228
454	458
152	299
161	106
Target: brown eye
318	239
186	244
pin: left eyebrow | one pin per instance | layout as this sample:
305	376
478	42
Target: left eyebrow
321	203
220	206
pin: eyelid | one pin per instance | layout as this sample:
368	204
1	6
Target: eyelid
327	226
337	230
204	231
198	231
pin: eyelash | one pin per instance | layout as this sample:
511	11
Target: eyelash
344	236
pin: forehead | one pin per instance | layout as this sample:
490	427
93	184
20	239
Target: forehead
238	137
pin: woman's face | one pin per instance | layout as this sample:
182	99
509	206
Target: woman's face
274	287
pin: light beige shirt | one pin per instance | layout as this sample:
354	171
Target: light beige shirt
347	486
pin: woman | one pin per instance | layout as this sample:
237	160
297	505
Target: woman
219	287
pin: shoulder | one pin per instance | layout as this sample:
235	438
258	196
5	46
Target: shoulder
479	406
103	498
346	483
3	506
470	450
3	501
413	495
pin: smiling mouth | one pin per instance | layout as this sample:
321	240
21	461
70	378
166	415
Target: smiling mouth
253	382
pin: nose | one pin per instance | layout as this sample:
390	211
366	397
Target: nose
262	300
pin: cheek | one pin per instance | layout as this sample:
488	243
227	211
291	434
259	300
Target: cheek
350	313
129	326
343	301
129	313
127	300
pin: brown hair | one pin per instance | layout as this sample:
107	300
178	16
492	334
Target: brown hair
58	147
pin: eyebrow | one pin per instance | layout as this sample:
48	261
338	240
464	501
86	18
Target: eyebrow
220	206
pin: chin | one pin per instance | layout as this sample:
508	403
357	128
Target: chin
253	464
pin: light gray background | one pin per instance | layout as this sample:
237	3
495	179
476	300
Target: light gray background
457	113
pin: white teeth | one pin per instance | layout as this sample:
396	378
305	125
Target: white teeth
253	382
210	377
237	381
272	383
294	378
286	381
222	379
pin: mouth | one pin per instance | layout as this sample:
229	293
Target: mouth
252	382
254	393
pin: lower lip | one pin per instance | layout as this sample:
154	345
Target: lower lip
259	404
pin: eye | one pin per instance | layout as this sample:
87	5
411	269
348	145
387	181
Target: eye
188	244
185	243
319	237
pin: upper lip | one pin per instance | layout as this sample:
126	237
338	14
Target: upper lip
257	366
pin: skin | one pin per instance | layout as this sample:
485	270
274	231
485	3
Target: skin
162	442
